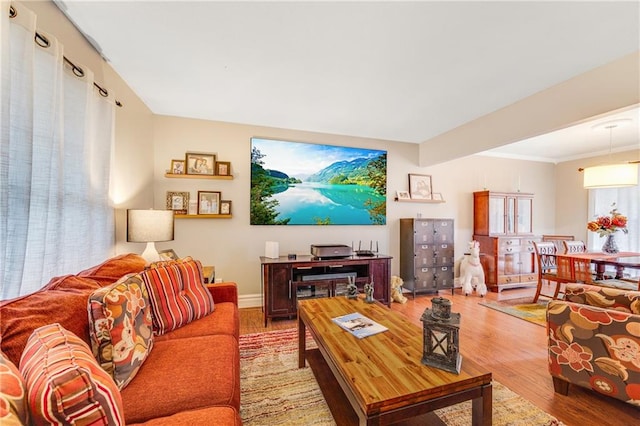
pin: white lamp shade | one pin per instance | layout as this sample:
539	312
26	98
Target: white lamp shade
611	176
145	226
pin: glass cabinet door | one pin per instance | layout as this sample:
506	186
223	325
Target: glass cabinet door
524	221
511	215
496	215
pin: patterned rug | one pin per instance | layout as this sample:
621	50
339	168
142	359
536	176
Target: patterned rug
532	312
274	391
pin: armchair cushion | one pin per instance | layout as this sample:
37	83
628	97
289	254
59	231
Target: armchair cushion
597	347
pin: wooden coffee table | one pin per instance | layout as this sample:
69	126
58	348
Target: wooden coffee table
382	376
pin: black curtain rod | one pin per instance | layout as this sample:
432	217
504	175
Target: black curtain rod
42	41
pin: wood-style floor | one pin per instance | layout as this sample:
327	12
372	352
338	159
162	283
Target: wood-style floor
514	350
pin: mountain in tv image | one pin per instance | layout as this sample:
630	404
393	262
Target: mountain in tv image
296	183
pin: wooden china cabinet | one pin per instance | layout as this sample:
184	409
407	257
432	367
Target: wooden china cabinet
503	225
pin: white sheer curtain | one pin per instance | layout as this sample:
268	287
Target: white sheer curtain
627	202
57	133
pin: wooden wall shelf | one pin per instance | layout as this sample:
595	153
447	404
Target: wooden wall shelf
203	216
420	201
185	176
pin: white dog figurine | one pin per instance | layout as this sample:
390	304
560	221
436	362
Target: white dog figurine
471	272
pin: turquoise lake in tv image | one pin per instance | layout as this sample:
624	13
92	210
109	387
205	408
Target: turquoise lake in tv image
308	203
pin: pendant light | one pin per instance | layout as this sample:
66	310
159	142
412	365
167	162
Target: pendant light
611	175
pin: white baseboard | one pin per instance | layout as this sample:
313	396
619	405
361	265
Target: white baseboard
250	300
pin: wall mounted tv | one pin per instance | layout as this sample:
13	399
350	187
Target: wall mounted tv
296	183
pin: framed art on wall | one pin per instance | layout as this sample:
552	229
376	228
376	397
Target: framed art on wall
403	195
420	187
177	167
225	207
223	168
209	202
168	254
178	202
200	164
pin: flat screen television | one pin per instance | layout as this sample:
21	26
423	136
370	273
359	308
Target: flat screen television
297	183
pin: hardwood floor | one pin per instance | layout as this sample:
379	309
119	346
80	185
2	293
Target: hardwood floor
515	351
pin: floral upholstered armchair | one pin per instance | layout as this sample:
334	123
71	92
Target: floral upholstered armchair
594	341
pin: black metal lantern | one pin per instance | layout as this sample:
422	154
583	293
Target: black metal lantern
441	336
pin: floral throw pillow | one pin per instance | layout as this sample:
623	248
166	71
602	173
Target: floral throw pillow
177	294
120	327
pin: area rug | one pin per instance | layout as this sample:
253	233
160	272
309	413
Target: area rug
274	391
532	312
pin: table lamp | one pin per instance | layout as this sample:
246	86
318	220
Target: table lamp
149	226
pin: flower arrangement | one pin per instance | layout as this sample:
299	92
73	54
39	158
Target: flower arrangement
607	225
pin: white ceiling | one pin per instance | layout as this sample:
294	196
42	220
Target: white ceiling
401	71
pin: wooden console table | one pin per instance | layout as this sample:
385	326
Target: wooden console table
286	281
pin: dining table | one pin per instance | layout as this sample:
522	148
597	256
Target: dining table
620	261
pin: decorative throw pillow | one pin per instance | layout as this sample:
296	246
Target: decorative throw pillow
177	294
120	327
13	407
65	384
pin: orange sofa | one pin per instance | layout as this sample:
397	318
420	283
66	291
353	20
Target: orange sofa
184	376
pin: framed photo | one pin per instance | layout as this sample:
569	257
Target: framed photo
168	254
177	167
225	207
223	168
209	202
200	164
178	202
420	187
437	196
403	195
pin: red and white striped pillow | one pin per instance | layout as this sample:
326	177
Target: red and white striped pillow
177	294
65	384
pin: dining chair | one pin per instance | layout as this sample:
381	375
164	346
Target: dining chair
582	271
548	269
574	246
557	240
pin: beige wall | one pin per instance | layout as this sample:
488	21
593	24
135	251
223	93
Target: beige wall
234	246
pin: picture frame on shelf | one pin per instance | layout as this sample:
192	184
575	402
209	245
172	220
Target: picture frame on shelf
178	202
437	196
177	167
168	254
200	163
225	207
403	195
420	187
223	168
209	202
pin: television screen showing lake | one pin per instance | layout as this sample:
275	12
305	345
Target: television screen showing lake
295	183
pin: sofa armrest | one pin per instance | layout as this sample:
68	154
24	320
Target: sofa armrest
224	292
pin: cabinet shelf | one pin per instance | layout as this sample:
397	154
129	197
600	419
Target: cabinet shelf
203	216
420	201
185	176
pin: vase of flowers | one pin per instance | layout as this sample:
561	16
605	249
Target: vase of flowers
607	226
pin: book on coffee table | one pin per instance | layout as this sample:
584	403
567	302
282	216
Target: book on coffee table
359	325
